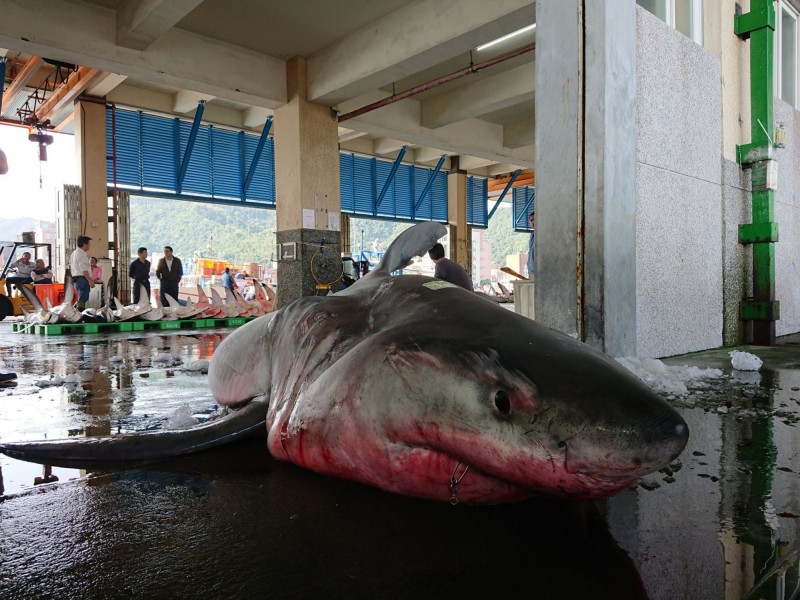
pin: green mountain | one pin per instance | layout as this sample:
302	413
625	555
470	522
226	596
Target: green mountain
238	235
241	235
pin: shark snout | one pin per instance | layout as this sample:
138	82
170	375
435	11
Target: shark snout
620	449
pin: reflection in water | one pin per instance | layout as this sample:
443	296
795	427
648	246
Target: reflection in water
722	524
236	523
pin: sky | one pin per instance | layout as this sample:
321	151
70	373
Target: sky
20	194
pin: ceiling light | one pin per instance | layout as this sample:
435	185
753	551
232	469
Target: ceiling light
506	37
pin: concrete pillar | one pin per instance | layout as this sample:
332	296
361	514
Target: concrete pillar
90	150
585	170
306	184
457	219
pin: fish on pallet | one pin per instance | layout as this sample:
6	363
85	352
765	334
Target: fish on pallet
176	311
63	313
132	311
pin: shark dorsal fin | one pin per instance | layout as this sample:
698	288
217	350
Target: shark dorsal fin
414	241
144	297
69	290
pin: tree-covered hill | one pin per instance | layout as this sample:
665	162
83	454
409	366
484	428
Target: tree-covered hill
241	235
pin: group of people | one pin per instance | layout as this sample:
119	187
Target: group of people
169	272
28	271
86	273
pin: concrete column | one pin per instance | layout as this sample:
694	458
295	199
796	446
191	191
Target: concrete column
306	183
90	150
585	171
457	219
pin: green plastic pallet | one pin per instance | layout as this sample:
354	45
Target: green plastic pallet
124	326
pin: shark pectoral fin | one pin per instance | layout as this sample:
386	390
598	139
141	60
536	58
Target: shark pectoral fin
147	446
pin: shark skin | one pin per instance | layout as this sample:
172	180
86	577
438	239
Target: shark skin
419	387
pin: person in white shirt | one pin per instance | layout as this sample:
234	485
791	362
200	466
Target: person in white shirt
23	266
81	269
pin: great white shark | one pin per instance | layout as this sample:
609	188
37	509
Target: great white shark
422	388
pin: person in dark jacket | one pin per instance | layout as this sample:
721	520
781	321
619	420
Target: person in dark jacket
448	270
169	272
139	271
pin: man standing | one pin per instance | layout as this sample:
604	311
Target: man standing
81	270
532	219
448	270
169	272
24	267
227	280
139	271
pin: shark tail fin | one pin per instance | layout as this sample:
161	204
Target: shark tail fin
32	298
414	241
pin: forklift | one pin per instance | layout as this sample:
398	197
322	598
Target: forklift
10	306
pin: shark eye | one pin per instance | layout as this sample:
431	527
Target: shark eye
502	402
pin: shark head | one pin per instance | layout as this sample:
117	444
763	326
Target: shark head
528	410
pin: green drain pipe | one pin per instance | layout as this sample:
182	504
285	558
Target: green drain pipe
762	309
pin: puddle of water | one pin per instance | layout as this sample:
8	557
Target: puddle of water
114	384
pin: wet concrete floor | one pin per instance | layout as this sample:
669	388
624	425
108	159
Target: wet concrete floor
233	523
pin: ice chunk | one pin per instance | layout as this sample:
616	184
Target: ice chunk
181	418
197	366
744	361
667	379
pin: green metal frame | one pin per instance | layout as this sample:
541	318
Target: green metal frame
763	309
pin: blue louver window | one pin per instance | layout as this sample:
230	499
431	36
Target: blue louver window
150	150
477	199
523	200
362	180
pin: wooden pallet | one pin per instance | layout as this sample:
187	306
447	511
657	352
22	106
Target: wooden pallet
124	326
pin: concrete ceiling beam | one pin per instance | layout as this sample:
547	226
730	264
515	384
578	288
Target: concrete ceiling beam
519	133
104	83
184	101
481	97
388	145
500	169
473	163
162	102
473	137
255	117
345	134
428	155
142	22
85	34
408	40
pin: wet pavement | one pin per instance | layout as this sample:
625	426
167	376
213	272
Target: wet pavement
234	523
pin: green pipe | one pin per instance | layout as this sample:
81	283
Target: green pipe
763	309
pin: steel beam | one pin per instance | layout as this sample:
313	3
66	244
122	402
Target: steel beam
503	195
187	154
763	309
428	185
256	156
390	178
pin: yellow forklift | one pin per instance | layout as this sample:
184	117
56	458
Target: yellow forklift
9	252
